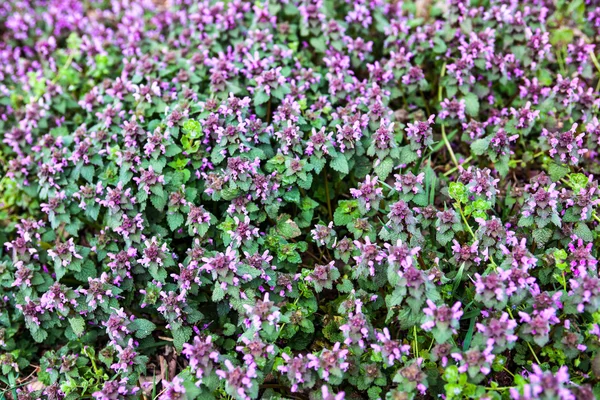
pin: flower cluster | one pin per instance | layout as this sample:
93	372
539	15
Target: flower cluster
308	199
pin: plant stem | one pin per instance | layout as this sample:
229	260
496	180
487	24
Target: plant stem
499	389
534	355
528	345
447	143
327	194
450	171
597	64
440	87
416	344
465	220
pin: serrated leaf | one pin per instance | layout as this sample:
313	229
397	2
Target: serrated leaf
541	236
218	293
172	150
287	228
340	164
158	202
78	325
181	336
345	286
228	329
480	146
471	104
557	172
384	168
444	238
175	220
318	43
260	97
142	327
39	335
87	172
583	232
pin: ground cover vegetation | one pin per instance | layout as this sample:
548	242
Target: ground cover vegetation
300	199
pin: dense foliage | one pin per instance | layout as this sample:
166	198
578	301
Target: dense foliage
305	199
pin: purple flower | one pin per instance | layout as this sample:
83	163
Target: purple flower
201	354
420	133
544	385
453	109
499	332
115	389
297	371
390	350
238	381
173	390
263	311
443	320
331	396
329	362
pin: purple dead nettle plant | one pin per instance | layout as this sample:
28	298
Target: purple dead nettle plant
317	199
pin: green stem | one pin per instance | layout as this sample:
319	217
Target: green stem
597	64
440	87
465	220
528	345
392	189
447	143
534	355
450	171
327	194
415	340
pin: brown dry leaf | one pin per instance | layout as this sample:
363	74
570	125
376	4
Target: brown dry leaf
35	385
423	8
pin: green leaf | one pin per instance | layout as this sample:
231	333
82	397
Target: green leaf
39	335
471	104
384	168
260	97
228	329
346	212
158	202
541	236
172	150
374	392
181	336
287	228
142	327
346	286
440	46
444	238
191	390
318	43
175	220
557	172
480	146
78	325
87	172
218	293
583	232
340	164
451	374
